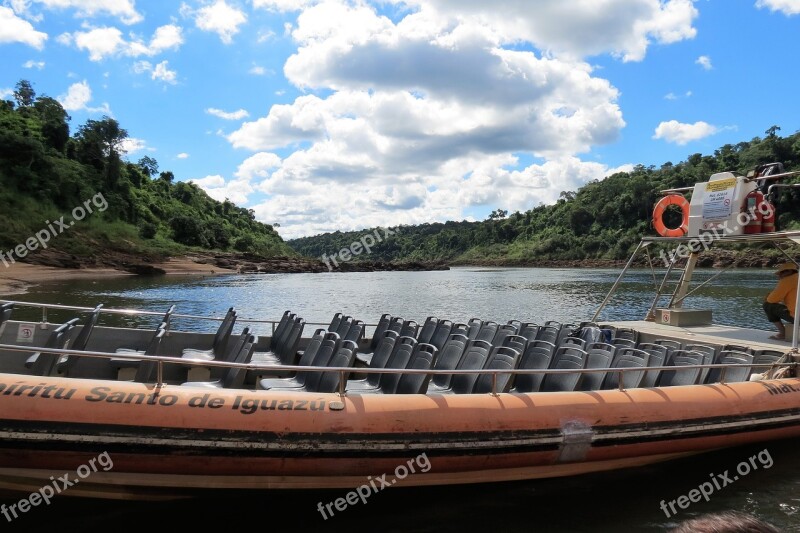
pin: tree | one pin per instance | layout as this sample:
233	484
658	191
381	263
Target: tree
24	93
148	165
498	214
166	177
54	121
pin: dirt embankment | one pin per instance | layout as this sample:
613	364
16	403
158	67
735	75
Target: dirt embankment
49	265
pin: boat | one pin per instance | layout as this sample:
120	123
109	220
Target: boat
167	412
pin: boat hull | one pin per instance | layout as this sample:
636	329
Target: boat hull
175	441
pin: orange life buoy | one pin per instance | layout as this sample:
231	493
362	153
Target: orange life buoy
658	216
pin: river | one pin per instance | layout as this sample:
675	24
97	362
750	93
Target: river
627	500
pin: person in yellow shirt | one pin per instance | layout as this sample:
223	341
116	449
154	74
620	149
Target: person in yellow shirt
779	305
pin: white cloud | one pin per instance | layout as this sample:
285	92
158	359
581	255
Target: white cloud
157	72
233	115
221	19
705	62
16	30
787	7
78	97
182	155
257	70
575	28
259	165
163	73
679	133
217	188
283	5
108	41
123	9
33	64
6	94
132	145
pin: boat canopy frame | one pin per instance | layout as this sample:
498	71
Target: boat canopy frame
695	245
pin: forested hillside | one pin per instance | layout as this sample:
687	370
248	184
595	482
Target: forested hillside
47	171
603	220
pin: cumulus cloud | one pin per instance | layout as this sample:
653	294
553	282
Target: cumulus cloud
33	64
625	28
182	155
233	115
705	62
132	145
109	41
16	30
77	98
217	188
220	18
679	133
122	9
425	114
787	7
159	71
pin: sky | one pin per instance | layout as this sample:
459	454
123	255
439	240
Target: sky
342	115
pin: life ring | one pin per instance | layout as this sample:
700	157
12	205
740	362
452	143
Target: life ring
658	216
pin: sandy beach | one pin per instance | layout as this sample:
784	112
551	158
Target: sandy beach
17	278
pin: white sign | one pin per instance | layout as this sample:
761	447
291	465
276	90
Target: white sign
25	332
718	200
665	317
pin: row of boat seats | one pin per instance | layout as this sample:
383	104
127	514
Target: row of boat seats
324	349
63	337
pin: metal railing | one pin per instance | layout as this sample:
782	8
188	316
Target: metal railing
139	312
345	371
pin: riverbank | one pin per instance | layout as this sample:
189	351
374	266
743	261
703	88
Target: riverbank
53	265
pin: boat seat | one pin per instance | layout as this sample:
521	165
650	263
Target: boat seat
334	324
627	334
686	376
623	343
458	328
165	323
764	359
233	377
427	330
221	337
537	355
564	331
627	358
731	375
529	331
659	353
442	333
380	329
566	357
516	342
503	331
123	364
318	356
377	360
675	345
737	348
44	363
475	356
402	354
146	370
323	381
598	355
5	314
65	362
286	351
473	327
488	331
449	358
500	358
710	354
423	358
548	334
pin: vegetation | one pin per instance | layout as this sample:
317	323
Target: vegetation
45	172
603	220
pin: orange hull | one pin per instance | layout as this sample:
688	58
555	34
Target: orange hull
185	439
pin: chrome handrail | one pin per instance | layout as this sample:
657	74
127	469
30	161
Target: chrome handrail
140	312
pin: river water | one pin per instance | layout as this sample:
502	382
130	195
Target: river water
627	500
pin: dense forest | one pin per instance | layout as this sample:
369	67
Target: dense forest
46	172
602	221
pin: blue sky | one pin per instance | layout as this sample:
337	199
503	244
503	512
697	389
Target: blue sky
334	114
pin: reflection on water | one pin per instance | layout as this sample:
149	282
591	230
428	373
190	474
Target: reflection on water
627	500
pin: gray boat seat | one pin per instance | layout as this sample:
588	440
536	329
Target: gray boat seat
627	358
565	357
44	363
330	344
686	376
423	358
659	354
475	356
378	360
599	355
500	358
220	341
401	355
731	374
233	377
448	359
